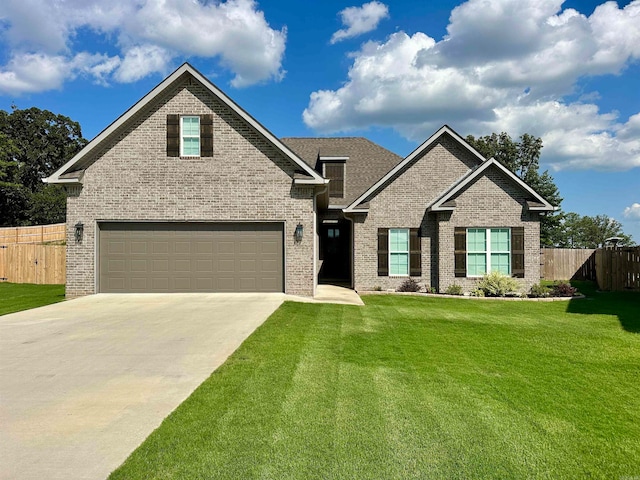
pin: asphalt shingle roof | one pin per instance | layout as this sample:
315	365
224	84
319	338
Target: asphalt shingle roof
367	163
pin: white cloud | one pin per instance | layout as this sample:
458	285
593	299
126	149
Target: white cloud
632	212
148	34
140	61
359	20
504	65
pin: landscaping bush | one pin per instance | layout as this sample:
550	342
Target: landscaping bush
539	291
454	289
495	284
563	289
409	285
430	290
477	292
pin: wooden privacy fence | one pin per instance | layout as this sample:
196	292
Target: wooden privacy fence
618	269
567	264
31	263
38	234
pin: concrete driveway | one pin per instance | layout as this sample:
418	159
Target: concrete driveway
84	382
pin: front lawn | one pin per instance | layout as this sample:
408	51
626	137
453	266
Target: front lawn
416	387
23	296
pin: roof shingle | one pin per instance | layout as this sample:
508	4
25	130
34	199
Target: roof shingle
367	163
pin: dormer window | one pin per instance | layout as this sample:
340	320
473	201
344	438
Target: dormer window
333	169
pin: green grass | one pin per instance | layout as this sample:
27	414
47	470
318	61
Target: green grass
416	387
23	296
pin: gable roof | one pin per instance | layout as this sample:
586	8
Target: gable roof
445	202
62	174
399	168
365	162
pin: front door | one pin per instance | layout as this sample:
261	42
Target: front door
335	243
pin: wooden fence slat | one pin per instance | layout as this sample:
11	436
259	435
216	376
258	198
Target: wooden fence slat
567	264
36	234
32	263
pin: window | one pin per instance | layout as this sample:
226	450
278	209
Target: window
334	171
190	136
488	250
399	251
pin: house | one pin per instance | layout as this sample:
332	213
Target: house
187	192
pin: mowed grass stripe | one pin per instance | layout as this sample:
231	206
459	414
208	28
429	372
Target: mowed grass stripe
414	387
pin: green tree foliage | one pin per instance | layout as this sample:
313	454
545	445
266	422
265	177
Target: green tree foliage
522	158
33	144
590	232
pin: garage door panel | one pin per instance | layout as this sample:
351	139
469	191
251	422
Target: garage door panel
161	247
116	246
183	247
139	284
116	266
182	266
175	257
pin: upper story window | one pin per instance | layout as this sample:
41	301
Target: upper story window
190	136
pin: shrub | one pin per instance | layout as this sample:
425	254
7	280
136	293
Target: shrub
477	292
377	288
563	289
409	285
495	284
539	291
431	290
454	289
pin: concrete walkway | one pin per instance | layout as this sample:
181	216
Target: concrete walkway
334	294
84	382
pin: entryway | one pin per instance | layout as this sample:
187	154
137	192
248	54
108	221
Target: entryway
335	253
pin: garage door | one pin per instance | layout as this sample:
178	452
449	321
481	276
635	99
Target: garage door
190	257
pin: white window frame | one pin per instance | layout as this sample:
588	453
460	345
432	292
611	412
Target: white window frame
488	251
407	252
183	136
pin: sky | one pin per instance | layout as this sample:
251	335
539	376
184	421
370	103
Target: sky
394	72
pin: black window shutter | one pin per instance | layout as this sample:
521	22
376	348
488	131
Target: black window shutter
173	135
460	252
517	252
383	252
206	135
415	253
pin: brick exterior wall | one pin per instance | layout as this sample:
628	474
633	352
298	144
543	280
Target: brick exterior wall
402	204
492	201
247	179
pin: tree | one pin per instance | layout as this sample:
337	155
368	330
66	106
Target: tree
33	144
522	158
591	232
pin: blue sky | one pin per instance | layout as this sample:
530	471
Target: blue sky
391	71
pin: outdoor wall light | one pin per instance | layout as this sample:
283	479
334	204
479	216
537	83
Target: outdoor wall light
79	231
298	233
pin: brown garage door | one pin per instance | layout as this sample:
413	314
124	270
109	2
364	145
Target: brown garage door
190	257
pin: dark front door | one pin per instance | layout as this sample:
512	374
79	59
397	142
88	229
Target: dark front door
335	248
